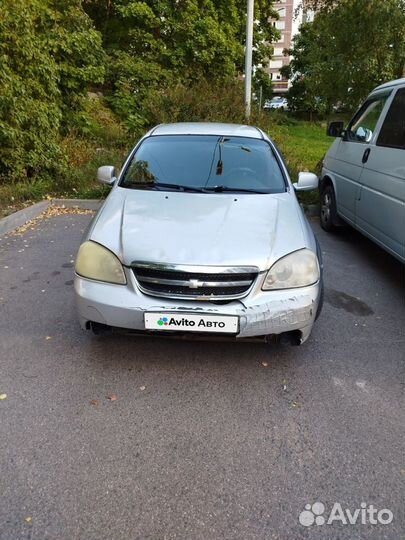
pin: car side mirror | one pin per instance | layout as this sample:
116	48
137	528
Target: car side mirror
307	181
106	175
335	129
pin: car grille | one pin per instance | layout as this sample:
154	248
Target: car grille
227	284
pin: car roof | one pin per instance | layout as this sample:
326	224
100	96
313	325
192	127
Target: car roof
207	128
397	82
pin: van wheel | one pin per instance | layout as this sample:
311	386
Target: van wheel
330	220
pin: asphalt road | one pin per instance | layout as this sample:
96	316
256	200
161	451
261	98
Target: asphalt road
203	441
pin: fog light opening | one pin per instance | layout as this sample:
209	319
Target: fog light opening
290	338
100	329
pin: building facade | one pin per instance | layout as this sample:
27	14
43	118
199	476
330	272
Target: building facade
290	17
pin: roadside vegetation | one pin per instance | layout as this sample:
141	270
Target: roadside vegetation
81	81
106	141
350	47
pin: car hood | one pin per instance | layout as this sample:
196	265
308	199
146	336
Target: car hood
199	229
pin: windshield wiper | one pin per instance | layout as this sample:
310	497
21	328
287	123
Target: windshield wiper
178	187
158	185
222	189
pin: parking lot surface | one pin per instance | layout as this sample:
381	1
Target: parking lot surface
130	438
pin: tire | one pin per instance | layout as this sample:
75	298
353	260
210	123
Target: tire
321	298
321	283
330	220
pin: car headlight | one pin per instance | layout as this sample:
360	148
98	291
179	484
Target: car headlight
94	261
298	269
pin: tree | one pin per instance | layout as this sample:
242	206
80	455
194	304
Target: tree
156	44
348	49
29	94
49	54
262	84
76	47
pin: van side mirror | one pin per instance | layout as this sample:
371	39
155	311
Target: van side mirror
307	181
335	129
106	175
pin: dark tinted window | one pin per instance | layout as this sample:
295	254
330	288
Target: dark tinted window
205	161
392	133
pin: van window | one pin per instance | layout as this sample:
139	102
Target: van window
392	133
362	127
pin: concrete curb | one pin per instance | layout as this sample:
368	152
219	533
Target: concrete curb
13	221
85	204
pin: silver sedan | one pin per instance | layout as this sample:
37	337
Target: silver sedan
202	232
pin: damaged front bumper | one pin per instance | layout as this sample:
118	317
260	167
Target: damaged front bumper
261	313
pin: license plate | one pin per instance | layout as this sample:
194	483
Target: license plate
191	322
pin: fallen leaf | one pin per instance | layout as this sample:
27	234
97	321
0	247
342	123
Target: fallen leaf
265	364
112	397
294	405
142	387
3	396
47	214
94	402
48	338
28	519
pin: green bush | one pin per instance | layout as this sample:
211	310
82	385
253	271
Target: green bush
29	95
49	53
202	101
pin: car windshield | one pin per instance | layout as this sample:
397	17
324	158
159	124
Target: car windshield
204	163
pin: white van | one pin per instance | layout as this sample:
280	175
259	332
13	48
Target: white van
363	175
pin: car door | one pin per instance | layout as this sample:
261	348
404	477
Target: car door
380	208
348	159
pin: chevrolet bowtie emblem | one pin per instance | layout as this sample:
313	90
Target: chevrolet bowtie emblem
194	284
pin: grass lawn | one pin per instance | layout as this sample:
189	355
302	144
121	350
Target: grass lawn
302	143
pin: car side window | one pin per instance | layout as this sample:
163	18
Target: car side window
392	133
362	127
